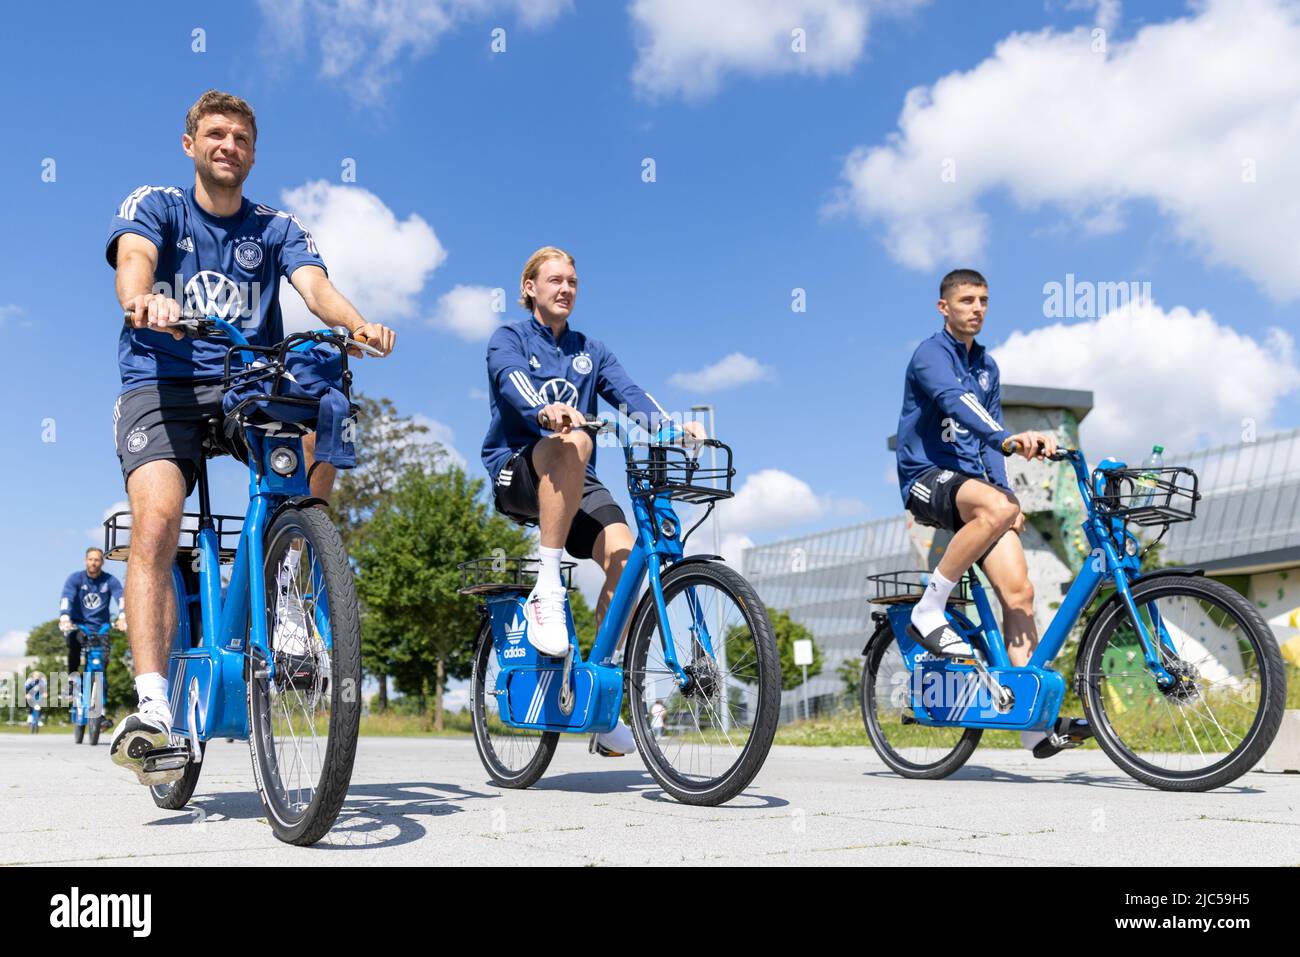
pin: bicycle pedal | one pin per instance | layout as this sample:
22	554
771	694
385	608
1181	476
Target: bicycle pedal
962	660
173	758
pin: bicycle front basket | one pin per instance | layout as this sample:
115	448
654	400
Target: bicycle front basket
1148	496
676	471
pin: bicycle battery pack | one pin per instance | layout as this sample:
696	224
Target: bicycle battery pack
529	684
946	693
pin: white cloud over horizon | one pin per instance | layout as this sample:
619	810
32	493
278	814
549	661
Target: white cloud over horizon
728	372
378	261
1181	379
467	312
364	43
686	48
1195	116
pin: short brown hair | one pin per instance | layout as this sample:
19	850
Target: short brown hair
214	101
534	266
960	277
93	548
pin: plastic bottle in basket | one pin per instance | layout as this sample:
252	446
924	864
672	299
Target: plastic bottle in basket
1147	480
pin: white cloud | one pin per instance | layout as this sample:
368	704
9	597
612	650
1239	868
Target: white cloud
467	311
442	434
10	312
96	534
728	372
362	41
1196	116
478	395
1175	378
770	499
13	643
687	46
379	262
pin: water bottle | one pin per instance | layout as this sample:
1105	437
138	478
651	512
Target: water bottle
1148	480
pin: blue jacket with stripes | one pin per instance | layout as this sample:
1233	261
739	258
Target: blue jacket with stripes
528	368
952	413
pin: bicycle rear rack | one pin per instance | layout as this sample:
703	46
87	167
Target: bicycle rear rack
907	587
117	536
482	576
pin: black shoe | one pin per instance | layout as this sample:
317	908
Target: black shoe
1069	733
944	642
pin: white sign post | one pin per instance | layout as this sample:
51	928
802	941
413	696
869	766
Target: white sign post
803	656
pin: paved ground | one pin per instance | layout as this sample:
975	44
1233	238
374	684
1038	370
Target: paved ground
426	801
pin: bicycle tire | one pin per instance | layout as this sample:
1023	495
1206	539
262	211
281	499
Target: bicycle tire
711	791
94	713
344	692
503	774
877	734
1255	740
78	733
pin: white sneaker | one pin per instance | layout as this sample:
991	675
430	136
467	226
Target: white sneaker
548	627
291	632
148	729
614	744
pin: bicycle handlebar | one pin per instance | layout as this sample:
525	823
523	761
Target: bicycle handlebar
200	327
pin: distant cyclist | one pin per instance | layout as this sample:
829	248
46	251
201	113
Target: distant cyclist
952	450
85	604
544	379
227	254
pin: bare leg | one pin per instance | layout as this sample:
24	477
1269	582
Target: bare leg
610	552
987	512
157	494
561	463
1005	566
322	479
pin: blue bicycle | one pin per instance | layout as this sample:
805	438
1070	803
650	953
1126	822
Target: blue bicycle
276	659
700	673
1181	680
90	698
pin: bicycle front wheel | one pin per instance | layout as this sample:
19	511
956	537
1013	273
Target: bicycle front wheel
703	743
910	748
1222	711
96	709
513	757
304	718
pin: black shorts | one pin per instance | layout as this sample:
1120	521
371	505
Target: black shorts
932	499
515	496
168	422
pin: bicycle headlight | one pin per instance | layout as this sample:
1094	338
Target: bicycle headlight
284	461
668	527
1130	547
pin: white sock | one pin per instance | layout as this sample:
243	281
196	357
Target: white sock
548	572
153	686
927	614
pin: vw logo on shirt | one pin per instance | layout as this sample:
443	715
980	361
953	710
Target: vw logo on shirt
212	294
558	390
90	600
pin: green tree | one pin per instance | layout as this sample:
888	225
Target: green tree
850	672
408	580
387	444
740	655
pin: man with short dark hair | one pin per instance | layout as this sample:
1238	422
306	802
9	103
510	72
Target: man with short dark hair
227	254
952	450
86	604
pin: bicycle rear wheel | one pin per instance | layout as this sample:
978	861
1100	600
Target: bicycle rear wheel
513	757
705	742
96	709
1225	706
908	747
304	720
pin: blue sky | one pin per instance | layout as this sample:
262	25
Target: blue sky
773	172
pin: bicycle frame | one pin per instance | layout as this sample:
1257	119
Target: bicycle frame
94	665
658	546
1107	564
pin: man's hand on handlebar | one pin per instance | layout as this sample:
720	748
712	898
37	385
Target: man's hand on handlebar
1033	445
374	335
65	624
560	417
154	311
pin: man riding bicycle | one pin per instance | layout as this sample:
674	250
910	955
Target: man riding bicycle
86	605
952	450
206	250
544	379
